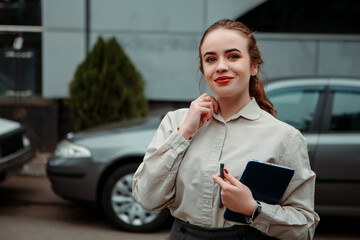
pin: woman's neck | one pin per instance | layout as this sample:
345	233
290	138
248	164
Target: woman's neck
232	105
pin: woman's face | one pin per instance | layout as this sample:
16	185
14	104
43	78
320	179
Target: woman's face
226	63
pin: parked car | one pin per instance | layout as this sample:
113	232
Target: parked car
15	148
327	112
98	166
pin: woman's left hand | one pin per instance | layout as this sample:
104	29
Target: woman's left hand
235	195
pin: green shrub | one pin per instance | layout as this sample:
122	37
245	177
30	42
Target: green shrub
106	87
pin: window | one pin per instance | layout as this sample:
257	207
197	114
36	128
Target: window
305	16
20	12
296	107
20	48
345	111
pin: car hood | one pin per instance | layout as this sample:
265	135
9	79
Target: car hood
108	131
116	140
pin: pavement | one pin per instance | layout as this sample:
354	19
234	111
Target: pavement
37	166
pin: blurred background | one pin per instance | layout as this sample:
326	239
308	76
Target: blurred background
42	43
46	44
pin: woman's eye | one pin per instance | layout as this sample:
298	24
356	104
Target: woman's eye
234	56
210	59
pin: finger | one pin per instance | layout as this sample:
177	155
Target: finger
203	98
232	180
207	110
211	99
206	101
215	104
211	107
219	181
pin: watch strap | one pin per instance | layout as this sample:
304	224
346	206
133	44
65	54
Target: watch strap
256	212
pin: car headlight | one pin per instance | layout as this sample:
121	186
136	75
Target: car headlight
26	141
69	149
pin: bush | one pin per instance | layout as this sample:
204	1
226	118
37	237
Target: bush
106	87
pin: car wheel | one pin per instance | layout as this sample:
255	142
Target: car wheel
121	208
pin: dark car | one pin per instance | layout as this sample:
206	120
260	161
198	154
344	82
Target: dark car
97	167
327	112
15	148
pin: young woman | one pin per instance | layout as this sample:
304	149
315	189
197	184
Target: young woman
180	168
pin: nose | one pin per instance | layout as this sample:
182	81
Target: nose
222	66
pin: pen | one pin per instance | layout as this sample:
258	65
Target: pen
222	176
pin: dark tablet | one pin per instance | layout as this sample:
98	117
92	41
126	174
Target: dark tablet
267	183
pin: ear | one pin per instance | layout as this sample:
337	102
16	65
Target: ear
254	70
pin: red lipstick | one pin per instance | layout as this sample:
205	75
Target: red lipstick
223	79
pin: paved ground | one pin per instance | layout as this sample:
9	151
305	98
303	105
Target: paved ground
29	210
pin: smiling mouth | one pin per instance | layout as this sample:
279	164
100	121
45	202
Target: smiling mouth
223	80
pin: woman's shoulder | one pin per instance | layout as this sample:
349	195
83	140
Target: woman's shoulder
278	125
181	112
282	131
176	116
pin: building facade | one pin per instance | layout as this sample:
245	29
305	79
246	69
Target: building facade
39	55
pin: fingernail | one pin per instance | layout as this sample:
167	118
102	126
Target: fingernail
226	170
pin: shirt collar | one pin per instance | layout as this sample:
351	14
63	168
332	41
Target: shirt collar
251	111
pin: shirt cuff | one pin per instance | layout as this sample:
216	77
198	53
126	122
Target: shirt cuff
264	219
178	144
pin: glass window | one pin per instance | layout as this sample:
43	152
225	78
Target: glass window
305	16
345	111
20	48
20	12
296	107
20	68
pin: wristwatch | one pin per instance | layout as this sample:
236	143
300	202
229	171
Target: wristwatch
255	213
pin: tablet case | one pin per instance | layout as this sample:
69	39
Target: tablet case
267	183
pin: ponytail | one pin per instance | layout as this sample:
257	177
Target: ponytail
257	91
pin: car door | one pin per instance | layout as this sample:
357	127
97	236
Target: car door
301	107
337	159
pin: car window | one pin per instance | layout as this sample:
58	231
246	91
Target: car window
296	107
345	111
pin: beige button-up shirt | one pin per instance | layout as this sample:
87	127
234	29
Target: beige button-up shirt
177	173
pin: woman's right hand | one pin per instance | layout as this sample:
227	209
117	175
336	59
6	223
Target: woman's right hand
202	109
235	195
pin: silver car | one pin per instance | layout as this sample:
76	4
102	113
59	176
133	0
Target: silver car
97	167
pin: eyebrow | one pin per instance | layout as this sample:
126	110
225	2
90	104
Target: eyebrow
227	51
